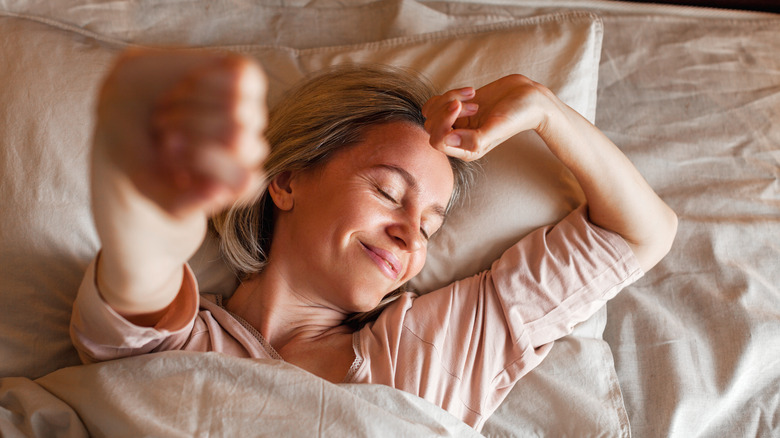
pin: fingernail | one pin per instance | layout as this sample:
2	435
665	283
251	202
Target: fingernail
470	106
452	140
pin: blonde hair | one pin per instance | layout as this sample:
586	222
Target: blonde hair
328	112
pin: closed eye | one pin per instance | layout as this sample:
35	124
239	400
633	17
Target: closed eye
386	195
392	199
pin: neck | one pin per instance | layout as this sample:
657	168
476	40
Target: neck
282	314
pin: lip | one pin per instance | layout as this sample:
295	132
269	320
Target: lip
387	262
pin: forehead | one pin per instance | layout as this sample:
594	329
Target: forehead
403	148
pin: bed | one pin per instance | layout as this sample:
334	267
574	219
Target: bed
690	94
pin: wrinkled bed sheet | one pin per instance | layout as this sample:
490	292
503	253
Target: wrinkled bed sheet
697	109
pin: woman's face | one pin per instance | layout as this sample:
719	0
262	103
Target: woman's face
358	227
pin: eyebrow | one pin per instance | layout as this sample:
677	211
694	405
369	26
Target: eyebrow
411	181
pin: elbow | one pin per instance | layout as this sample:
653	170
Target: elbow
668	232
660	244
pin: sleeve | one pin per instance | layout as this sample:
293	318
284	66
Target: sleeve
560	276
99	333
466	345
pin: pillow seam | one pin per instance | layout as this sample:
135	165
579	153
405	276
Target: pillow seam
572	17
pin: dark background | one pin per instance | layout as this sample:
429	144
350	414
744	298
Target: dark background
755	5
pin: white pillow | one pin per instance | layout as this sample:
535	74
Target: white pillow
51	74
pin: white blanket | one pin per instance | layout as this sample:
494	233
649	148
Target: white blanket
208	394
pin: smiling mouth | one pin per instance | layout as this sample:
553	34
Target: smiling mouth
385	261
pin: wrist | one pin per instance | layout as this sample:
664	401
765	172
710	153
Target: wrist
552	115
136	288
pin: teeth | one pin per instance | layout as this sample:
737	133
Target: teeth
388	264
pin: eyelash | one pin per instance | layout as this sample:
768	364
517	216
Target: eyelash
394	201
387	195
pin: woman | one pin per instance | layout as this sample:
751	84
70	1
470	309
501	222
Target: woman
363	166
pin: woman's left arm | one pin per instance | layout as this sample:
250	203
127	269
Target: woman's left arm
467	123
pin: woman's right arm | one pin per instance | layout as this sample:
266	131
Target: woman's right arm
468	123
178	137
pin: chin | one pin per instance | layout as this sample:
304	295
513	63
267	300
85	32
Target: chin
366	297
363	307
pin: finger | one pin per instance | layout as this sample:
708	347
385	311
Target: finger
465	93
443	111
435	103
210	114
207	88
252	90
209	123
252	114
245	144
182	136
222	181
468	109
249	115
209	181
212	163
441	123
465	144
234	86
186	158
248	112
225	75
478	142
459	153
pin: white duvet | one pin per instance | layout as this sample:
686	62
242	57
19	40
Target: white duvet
179	394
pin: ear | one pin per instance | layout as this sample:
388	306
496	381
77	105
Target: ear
281	191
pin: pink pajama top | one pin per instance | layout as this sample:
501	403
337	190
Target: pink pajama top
462	347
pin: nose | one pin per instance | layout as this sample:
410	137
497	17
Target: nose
407	234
